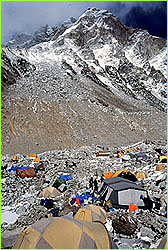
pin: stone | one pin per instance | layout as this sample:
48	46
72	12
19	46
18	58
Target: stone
21	210
147	232
124	246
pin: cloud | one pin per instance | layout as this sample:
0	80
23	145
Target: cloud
20	17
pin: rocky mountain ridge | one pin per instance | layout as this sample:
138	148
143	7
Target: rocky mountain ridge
93	79
25	40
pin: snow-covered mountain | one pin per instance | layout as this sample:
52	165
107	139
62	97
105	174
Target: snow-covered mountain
95	59
25	40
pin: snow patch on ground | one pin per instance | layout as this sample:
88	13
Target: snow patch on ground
8	216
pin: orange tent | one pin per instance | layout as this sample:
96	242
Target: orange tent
108	175
132	207
37	159
33	155
159	167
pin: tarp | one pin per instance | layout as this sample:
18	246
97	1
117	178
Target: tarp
37	160
129	150
64	233
58	183
132	207
160	167
22	173
103	153
126	157
131	155
86	196
163	157
66	177
122	152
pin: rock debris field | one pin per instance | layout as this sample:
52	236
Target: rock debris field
21	203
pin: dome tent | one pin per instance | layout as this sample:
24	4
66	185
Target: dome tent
64	233
122	192
140	175
49	192
91	213
108	175
126	174
15	158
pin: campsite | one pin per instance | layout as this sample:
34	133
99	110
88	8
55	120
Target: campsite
119	193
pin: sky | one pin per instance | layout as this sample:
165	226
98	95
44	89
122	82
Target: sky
18	17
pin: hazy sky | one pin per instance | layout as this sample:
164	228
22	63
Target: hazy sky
17	17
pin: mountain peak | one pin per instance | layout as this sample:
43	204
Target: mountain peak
25	40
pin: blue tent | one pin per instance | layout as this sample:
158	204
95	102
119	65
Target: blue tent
66	177
141	154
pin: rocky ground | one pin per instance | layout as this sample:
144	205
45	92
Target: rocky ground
20	202
48	110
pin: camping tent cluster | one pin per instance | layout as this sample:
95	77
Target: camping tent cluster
84	231
120	192
26	171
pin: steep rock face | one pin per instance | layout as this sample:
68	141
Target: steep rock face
67	24
96	82
13	67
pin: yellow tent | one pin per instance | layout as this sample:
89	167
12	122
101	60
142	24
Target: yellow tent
128	150
91	213
37	159
140	175
122	152
15	158
125	174
64	233
163	157
49	192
